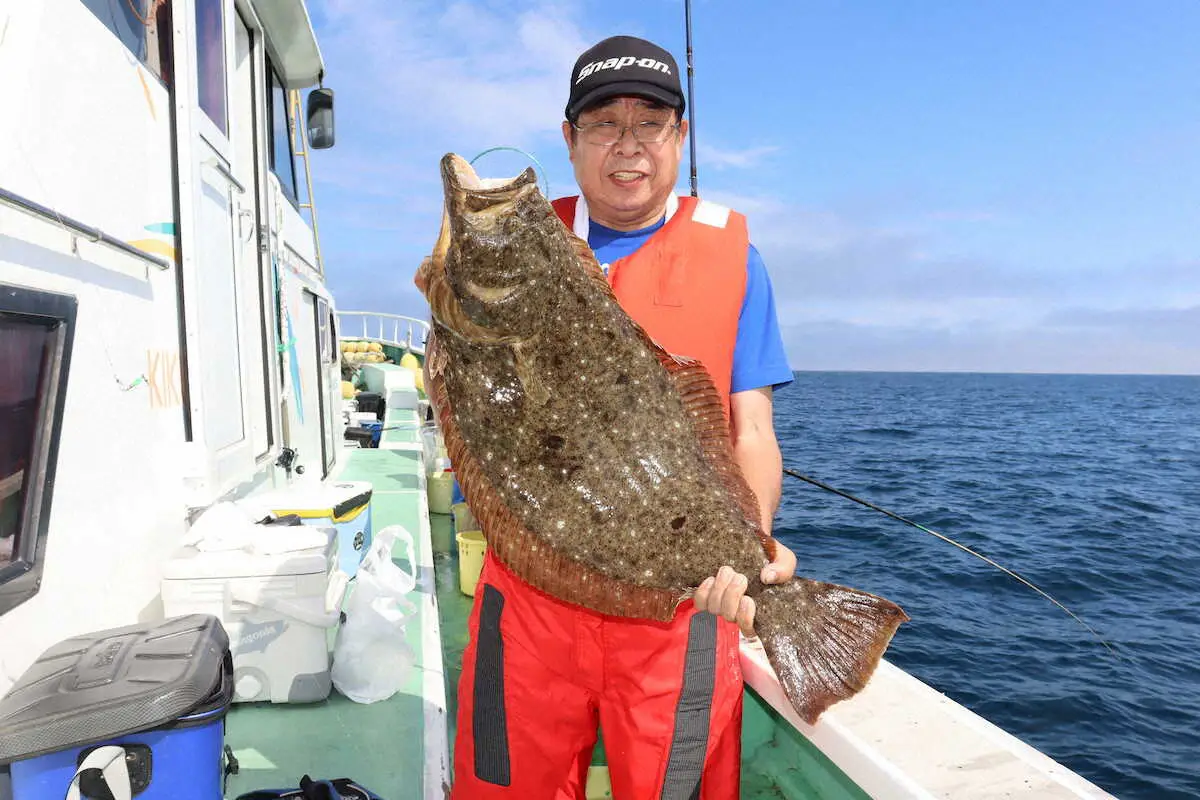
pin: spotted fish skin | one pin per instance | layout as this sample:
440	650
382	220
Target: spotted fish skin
598	465
604	467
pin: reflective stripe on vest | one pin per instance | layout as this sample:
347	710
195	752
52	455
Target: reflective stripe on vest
685	285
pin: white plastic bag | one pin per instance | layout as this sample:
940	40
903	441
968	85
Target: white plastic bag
371	657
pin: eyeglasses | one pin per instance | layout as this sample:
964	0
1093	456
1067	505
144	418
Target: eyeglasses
609	133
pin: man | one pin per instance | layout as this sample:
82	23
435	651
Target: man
667	695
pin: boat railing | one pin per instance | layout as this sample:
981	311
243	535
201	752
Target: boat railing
396	329
77	228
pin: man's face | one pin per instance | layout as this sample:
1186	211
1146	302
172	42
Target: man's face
626	184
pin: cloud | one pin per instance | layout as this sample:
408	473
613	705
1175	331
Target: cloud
1166	326
415	80
709	156
463	68
889	291
815	254
987	347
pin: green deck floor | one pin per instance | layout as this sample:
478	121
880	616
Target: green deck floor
454	609
380	745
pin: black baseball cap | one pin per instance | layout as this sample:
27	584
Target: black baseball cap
624	65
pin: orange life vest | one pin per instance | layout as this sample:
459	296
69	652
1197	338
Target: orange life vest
686	283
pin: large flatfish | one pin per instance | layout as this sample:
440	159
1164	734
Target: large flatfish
599	465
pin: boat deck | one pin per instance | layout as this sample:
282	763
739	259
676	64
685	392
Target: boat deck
397	747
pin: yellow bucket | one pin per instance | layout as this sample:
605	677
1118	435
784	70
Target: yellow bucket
599	786
441	492
471	547
464	520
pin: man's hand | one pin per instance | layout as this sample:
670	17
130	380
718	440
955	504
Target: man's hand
783	568
724	594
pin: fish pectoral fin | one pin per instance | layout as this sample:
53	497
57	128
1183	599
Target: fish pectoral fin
525	357
587	260
436	357
424	275
823	640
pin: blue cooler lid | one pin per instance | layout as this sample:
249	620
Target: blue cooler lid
102	685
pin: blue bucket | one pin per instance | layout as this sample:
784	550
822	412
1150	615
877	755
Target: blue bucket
181	761
376	429
121	704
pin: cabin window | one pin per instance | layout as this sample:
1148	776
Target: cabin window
282	159
210	61
334	350
144	27
35	342
325	333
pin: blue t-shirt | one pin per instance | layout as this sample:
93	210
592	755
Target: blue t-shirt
758	356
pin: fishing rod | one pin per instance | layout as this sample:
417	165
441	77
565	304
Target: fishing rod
687	15
960	546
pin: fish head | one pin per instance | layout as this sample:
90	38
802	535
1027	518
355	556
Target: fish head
499	256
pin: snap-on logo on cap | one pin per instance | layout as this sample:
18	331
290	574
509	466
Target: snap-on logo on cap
621	63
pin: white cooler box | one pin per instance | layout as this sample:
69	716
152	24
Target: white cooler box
277	610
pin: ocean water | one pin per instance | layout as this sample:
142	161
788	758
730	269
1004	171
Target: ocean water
1089	486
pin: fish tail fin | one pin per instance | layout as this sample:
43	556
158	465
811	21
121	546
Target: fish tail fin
823	640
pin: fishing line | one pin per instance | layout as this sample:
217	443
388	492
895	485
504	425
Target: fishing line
962	547
530	156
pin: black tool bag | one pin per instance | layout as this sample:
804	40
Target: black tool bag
336	789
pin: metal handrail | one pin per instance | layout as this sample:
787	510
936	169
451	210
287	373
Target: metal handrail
87	231
396	322
226	173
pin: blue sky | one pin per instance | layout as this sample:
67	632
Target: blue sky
990	186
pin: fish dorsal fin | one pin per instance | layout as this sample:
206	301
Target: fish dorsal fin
587	259
703	405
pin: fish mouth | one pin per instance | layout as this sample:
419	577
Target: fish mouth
468	194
